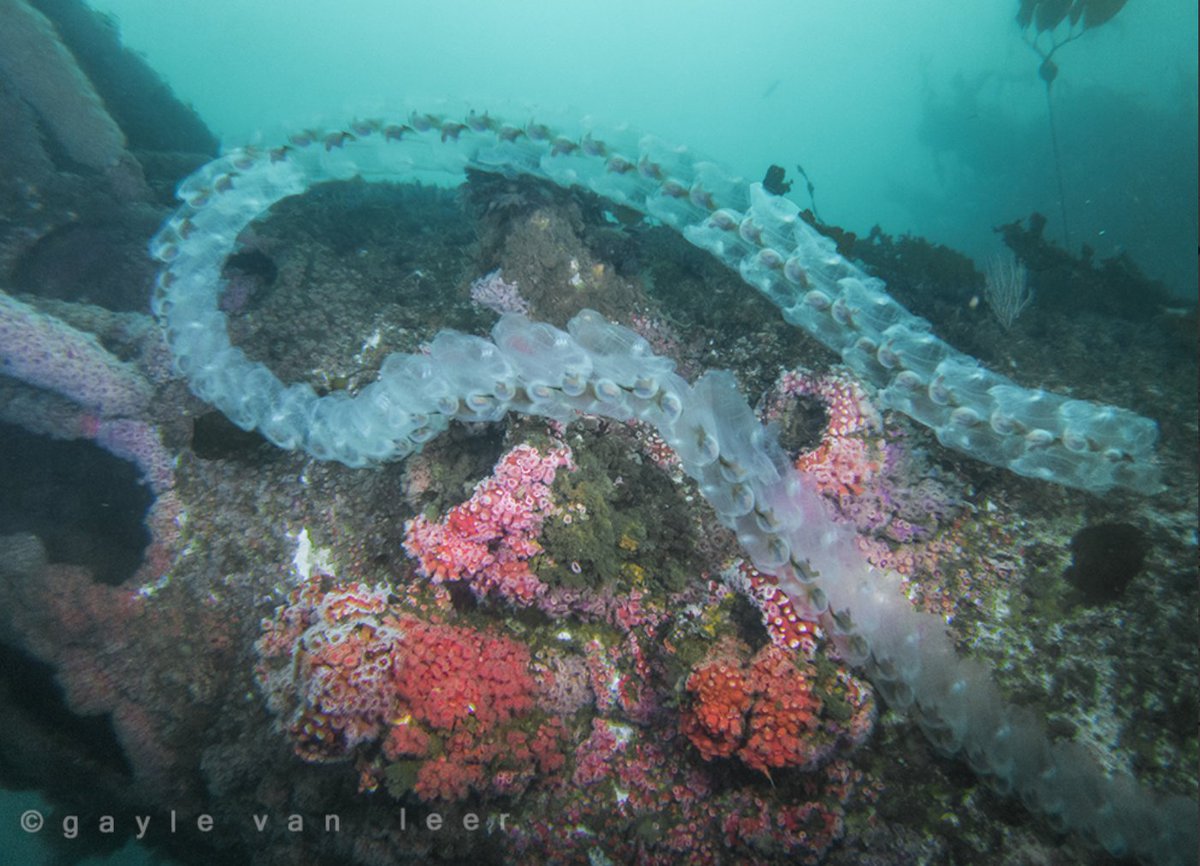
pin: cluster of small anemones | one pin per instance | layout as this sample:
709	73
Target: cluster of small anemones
767	710
800	832
621	673
846	401
487	540
785	627
497	294
597	756
763	711
860	698
603	674
666	342
338	646
721	698
450	674
660	453
462	693
963	563
848	455
352	674
784	728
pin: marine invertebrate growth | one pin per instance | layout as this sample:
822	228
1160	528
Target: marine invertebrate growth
58	381
974	410
46	353
1006	289
487	540
767	712
599	368
352	675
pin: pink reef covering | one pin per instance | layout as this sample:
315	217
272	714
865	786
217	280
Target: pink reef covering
488	540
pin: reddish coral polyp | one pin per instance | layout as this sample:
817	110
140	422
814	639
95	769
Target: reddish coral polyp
486	542
363	679
764	711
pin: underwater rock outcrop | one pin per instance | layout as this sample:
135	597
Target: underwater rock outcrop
599	368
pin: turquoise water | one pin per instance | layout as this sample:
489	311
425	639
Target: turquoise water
924	117
27	849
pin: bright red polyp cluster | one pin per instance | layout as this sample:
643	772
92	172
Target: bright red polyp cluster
763	711
785	719
716	724
449	674
361	677
406	740
488	540
445	779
